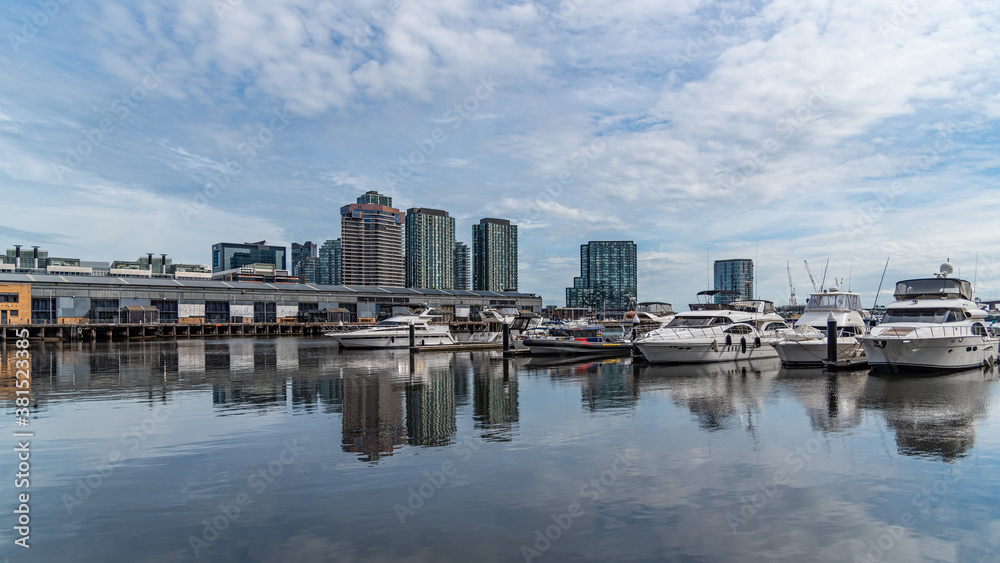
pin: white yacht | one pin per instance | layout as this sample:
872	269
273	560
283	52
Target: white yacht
712	332
806	345
933	326
394	332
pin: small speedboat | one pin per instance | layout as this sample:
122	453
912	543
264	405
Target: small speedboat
582	340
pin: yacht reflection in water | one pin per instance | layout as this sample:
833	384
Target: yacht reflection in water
932	417
831	399
496	410
720	395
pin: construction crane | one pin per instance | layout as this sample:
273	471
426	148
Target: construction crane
791	286
811	278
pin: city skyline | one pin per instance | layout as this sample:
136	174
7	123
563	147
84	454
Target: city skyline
782	131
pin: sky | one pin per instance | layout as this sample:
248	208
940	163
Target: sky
783	131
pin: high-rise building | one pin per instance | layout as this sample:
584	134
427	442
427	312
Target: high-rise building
430	248
494	255
331	265
734	275
461	266
608	279
372	242
304	262
229	256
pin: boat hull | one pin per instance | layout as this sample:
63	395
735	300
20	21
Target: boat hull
367	341
699	352
813	352
899	355
544	347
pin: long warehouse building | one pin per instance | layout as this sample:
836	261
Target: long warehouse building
69	299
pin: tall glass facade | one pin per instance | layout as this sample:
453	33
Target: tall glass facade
430	249
229	256
494	255
331	269
608	276
304	261
461	266
734	275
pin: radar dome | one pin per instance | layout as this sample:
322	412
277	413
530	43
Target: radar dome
947	268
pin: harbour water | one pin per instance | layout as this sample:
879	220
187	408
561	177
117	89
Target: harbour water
286	449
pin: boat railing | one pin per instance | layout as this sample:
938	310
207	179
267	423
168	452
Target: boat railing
932	331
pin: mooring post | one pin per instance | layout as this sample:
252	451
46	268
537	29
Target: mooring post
506	337
831	340
413	336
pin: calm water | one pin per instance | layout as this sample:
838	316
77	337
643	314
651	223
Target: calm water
286	450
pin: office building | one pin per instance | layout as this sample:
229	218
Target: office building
461	260
331	266
494	255
734	275
607	280
372	242
430	249
231	256
305	263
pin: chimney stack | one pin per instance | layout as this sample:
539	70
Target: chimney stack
163	263
35	266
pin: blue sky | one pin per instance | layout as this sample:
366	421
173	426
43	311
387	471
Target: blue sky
784	130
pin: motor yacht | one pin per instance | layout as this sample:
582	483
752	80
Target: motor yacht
394	332
716	332
933	326
806	345
575	339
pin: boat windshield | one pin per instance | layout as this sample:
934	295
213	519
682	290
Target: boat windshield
953	288
834	301
923	316
697	321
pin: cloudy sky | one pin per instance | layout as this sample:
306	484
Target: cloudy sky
783	131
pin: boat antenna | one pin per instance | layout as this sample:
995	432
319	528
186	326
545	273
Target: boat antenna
875	304
975	274
850	274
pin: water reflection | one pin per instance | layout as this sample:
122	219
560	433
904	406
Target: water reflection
721	395
831	399
496	403
932	417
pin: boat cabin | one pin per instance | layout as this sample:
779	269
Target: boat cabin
834	301
933	288
576	331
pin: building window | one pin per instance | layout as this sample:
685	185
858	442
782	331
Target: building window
8	298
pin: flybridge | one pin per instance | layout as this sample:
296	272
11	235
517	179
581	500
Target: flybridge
933	288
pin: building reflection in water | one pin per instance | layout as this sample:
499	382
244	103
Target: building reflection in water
430	401
932	417
495	397
608	384
373	417
719	395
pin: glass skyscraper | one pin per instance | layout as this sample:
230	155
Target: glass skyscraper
461	266
734	275
494	255
229	256
430	249
608	276
331	269
305	262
